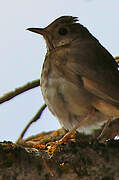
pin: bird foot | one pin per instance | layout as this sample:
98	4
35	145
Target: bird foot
55	146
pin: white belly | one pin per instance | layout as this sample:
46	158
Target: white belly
69	103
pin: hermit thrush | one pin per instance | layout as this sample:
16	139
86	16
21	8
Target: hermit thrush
79	76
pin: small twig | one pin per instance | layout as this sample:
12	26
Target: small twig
20	90
34	119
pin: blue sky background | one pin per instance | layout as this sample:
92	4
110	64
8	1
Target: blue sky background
22	53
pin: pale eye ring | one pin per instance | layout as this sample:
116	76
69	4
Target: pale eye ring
63	31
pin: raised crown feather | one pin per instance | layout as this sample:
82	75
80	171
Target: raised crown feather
65	20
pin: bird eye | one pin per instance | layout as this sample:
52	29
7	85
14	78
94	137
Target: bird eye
63	31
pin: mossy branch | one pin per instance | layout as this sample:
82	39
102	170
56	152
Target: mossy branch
73	161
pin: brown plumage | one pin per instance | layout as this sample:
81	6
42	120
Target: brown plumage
79	76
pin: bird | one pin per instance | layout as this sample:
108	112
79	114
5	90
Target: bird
79	78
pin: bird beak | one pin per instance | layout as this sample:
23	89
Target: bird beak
37	30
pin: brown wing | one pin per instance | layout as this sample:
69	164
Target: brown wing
98	70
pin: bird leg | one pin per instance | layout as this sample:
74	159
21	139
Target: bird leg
71	132
104	129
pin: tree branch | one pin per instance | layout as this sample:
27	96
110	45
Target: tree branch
34	119
73	161
20	90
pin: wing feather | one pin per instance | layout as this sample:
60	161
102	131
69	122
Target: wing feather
98	69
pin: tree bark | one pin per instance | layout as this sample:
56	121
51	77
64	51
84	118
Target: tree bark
71	161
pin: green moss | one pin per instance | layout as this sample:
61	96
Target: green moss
6	164
47	176
107	178
14	178
39	168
